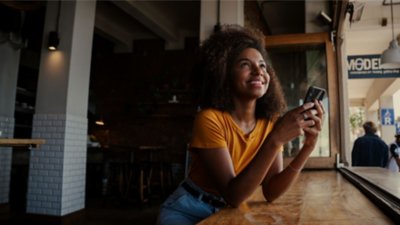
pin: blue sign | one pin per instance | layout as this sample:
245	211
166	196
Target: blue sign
387	116
368	66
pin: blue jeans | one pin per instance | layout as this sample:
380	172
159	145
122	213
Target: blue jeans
183	208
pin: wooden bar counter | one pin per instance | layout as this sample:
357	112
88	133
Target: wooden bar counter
318	197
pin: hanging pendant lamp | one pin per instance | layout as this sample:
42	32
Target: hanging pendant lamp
390	58
54	39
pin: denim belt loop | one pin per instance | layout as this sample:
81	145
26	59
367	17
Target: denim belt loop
200	196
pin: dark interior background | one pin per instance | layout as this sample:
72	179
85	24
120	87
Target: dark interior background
130	91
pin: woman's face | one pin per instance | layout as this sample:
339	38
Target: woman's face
251	79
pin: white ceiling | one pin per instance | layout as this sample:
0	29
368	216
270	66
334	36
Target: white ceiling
123	21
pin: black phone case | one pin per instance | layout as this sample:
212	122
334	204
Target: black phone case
314	93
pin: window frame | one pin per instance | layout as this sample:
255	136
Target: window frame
276	41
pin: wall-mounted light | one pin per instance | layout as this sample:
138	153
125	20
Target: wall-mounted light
99	121
390	58
355	9
54	39
324	18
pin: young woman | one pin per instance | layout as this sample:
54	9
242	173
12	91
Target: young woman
238	135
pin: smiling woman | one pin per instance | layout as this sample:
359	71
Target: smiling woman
240	130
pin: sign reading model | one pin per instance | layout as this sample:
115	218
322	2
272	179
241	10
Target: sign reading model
368	66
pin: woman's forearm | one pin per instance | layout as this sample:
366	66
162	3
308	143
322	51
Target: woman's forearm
244	184
280	182
276	184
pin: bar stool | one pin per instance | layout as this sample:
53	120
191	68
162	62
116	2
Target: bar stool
153	170
117	175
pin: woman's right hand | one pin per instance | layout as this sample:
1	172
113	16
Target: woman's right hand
292	124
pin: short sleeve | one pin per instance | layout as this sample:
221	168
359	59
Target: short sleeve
208	130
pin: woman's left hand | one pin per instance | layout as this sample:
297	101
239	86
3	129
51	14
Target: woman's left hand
311	133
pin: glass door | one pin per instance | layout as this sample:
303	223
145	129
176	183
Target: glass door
300	61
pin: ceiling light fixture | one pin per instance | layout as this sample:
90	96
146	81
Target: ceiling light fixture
54	40
390	58
217	27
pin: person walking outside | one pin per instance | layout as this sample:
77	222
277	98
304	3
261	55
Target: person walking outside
394	154
370	149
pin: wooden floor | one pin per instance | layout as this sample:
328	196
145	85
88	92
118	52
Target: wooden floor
98	212
317	197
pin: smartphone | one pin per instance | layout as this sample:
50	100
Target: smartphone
314	93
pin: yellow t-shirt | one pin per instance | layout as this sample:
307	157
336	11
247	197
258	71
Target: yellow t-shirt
216	129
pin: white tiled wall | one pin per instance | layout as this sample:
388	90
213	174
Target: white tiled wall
56	184
7	130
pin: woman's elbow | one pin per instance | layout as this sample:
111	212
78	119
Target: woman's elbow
234	202
234	205
268	196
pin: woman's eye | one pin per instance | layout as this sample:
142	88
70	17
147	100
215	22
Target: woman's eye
244	64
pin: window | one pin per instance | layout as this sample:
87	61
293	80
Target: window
300	61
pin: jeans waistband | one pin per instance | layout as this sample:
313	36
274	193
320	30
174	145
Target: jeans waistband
192	189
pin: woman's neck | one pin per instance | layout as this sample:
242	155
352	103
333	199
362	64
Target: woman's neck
244	115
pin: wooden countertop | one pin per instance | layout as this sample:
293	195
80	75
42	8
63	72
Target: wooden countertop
17	142
317	197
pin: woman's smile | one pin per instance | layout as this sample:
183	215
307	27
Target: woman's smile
256	83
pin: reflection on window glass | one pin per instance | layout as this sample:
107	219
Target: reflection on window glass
299	67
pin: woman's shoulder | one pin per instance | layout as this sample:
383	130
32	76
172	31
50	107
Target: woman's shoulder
210	112
211	115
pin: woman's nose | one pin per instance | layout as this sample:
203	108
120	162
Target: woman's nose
257	70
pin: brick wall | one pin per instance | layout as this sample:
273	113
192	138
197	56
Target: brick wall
56	184
7	129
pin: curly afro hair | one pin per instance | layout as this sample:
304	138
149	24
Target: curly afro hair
214	71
